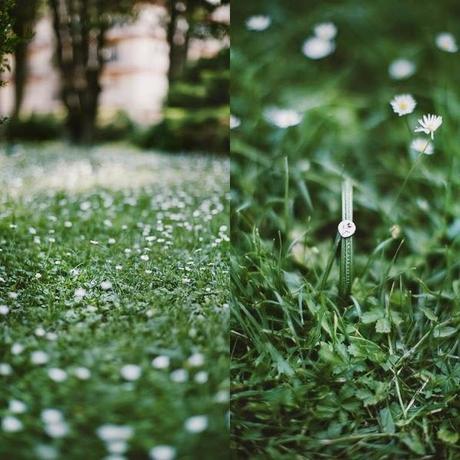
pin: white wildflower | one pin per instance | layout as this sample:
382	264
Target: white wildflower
82	373
429	124
111	433
39	357
258	23
79	293
401	69
179	376
117	447
5	369
283	118
11	424
45	452
235	122
196	424
162	452
196	360
317	48
446	42
106	285
57	375
51	416
201	377
403	104
57	430
4	310
161	362
17	348
325	30
131	372
17	407
422	145
144	257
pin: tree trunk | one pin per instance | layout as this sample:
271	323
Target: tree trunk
172	30
80	60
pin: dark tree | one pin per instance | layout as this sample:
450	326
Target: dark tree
80	27
25	14
7	38
188	19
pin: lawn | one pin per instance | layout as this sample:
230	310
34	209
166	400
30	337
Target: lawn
314	375
114	304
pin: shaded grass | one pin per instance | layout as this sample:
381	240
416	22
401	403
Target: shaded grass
376	376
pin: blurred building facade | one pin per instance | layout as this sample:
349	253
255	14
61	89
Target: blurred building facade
134	79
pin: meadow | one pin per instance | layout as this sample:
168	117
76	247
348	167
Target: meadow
375	375
113	304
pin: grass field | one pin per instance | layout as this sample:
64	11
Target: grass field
114	304
376	375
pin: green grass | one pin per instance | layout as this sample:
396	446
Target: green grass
377	375
74	219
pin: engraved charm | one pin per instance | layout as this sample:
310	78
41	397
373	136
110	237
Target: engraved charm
347	228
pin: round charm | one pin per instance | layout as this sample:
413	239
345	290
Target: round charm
347	228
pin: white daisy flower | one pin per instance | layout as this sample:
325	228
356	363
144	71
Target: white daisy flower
17	348
4	310
39	357
131	372
258	23
106	285
403	104
162	452
57	430
117	447
317	48
401	69
144	257
422	145
17	407
5	369
111	433
196	424
201	377
325	30
179	376
429	124
283	118
45	452
196	360
11	424
235	122
82	373
79	293
446	42
67	224
50	416
161	362
57	375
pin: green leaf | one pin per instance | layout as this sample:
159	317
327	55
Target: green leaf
372	316
386	420
441	332
412	441
449	437
429	314
383	326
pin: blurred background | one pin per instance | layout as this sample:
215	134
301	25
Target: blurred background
153	73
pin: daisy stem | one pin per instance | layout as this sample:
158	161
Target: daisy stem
408	126
406	179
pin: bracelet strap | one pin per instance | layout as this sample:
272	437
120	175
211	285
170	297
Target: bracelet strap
346	256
